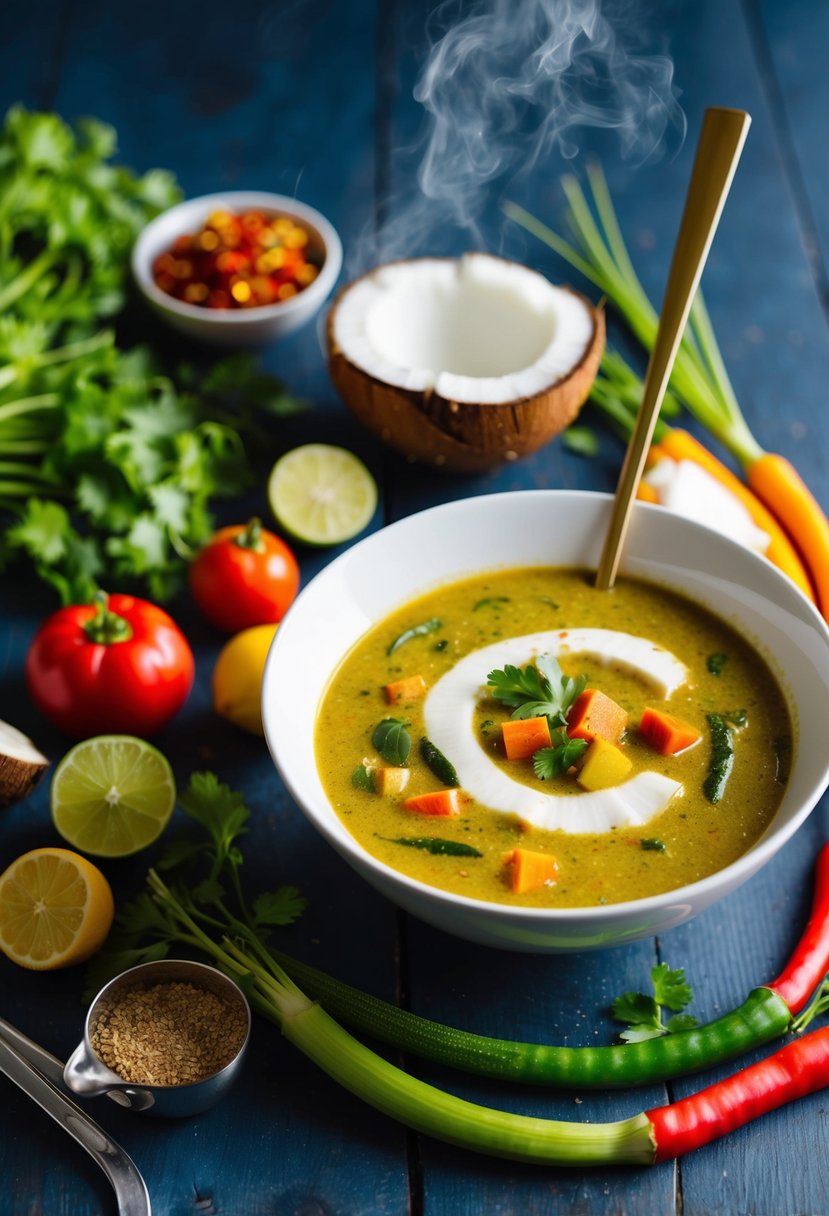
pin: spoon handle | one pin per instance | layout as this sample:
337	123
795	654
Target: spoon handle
718	151
22	1061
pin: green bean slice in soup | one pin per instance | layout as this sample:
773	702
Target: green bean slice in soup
523	738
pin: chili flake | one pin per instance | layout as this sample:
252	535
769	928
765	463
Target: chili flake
238	261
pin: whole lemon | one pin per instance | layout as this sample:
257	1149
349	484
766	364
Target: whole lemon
237	677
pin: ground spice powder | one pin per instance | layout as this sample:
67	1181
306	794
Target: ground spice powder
169	1033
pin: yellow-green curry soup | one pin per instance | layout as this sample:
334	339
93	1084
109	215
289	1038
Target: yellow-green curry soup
719	795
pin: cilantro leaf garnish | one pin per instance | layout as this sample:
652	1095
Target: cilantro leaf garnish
643	1014
552	761
537	690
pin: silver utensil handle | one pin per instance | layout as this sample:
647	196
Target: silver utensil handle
130	1188
42	1059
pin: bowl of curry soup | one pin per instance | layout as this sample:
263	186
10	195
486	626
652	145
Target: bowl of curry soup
527	762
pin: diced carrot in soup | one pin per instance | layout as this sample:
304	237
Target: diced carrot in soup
530	869
410	688
524	736
594	715
439	802
665	733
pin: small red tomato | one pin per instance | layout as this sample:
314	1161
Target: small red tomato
244	576
117	666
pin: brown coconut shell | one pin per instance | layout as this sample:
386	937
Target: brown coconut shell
466	437
19	774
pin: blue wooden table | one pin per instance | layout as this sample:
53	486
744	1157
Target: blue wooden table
316	98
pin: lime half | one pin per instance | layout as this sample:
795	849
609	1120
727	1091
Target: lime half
112	795
321	495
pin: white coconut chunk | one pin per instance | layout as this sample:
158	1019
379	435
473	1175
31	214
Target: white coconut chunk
476	329
449	716
686	488
21	765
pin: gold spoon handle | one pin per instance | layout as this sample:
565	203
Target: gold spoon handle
720	144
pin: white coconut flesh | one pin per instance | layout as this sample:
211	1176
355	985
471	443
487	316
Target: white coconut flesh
478	329
449	716
21	765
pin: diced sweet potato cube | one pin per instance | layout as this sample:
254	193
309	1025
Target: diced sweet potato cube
439	802
593	715
665	733
530	869
604	765
524	736
410	688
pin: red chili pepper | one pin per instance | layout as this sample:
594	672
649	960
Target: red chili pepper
120	665
798	1069
809	962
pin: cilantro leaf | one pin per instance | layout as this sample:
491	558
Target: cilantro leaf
42	530
635	1007
280	907
670	987
220	810
644	1013
539	690
681	1021
552	761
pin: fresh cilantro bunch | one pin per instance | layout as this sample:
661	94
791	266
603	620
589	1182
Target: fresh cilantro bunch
542	690
643	1014
205	874
108	465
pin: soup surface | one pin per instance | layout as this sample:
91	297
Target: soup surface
666	820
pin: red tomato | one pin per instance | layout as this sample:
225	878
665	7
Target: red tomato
118	666
244	576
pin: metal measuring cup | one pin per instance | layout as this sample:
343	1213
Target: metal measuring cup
86	1074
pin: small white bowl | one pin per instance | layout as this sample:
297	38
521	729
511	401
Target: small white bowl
236	326
504	531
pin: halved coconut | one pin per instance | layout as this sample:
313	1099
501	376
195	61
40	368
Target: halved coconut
21	765
466	362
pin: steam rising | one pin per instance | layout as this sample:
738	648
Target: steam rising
509	84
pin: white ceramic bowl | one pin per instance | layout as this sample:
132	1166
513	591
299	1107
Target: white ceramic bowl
241	326
507	530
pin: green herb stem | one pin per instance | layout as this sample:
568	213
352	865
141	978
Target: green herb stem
28	405
27	278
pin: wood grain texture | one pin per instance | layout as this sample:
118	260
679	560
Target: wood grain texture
314	98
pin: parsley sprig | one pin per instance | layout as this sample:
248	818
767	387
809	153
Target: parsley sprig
204	876
643	1014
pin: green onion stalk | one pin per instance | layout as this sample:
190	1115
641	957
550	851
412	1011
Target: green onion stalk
270	981
699	377
420	1106
699	381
